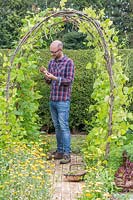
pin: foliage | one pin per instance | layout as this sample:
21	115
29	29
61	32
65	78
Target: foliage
22	108
76	4
99	183
80	92
96	138
11	14
115	157
100	179
128	63
123	176
20	112
20	118
24	172
120	12
74	40
101	86
94	150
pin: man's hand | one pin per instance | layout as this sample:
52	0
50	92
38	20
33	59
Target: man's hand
43	70
50	76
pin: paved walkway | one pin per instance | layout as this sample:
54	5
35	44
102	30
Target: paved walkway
63	189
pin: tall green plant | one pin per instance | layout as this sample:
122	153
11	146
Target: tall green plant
98	139
24	97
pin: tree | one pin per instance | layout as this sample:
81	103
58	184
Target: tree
76	4
74	40
120	12
13	11
131	34
11	14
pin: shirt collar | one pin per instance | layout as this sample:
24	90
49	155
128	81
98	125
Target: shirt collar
61	59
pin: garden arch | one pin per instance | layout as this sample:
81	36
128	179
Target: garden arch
71	15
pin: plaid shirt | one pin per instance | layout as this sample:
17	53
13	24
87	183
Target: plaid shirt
63	69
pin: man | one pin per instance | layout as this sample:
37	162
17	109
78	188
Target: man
60	75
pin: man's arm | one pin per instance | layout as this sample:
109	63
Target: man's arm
44	71
69	75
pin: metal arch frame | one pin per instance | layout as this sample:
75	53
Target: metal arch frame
107	54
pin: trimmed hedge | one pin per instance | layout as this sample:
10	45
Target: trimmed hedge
82	87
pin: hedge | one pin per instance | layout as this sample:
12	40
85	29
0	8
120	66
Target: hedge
81	91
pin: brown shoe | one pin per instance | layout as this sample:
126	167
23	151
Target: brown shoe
66	159
55	155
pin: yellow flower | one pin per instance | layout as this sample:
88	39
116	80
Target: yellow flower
31	186
34	168
38	177
26	175
43	181
41	149
14	192
40	161
44	143
43	154
35	154
6	183
52	165
48	171
33	176
88	195
42	166
20	174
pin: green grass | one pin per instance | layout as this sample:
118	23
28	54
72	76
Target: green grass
76	142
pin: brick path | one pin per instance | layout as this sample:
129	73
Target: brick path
64	190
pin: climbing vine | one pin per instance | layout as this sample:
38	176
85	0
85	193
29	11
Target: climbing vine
110	121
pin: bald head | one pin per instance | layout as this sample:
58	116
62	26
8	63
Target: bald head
57	44
56	48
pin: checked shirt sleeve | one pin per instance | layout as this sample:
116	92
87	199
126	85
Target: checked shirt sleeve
48	81
69	74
